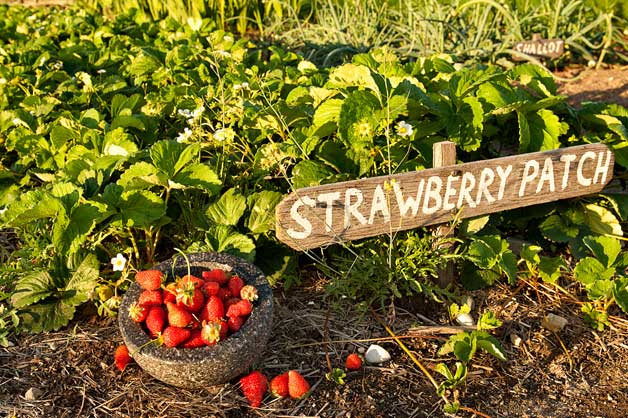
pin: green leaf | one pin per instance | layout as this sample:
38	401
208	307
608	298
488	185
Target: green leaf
31	206
197	176
558	229
228	209
223	238
488	320
128	121
482	254
530	253
262	208
620	293
605	249
49	315
335	155
539	131
508	264
472	226
141	175
83	281
140	208
357	124
170	156
69	232
491	345
32	288
308	173
550	268
595	277
602	220
351	75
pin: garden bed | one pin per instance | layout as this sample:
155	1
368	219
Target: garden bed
575	373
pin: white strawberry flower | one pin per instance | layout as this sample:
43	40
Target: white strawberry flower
118	262
185	135
404	128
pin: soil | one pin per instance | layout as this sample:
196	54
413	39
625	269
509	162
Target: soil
574	372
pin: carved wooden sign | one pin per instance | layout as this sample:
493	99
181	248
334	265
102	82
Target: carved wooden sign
314	216
548	48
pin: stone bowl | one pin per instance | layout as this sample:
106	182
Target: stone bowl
205	366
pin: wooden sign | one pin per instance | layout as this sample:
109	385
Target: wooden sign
537	47
314	216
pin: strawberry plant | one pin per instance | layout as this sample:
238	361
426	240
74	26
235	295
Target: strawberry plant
603	276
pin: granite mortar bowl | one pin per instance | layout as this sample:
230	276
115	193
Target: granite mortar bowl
205	366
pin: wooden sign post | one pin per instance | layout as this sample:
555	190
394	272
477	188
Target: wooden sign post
537	47
333	213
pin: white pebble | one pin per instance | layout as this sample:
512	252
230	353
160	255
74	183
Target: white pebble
376	354
465	319
554	322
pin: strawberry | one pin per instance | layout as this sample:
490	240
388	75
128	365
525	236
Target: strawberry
353	362
121	357
279	385
137	312
235	285
245	307
210	332
249	292
195	340
254	386
150	298
298	387
155	320
211	288
214	309
216	275
224	329
149	279
188	278
233	311
235	323
175	336
190	297
178	316
170	293
224	294
231	301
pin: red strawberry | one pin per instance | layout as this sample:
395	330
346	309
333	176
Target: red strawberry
187	279
178	316
231	301
245	307
249	292
235	323
214	309
224	293
137	312
353	362
195	340
155	320
121	357
216	275
233	311
149	279
211	288
254	386
170	293
235	285
298	387
210	332
175	336
190	297
224	330
279	385
150	298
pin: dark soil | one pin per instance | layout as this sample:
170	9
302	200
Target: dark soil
573	373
